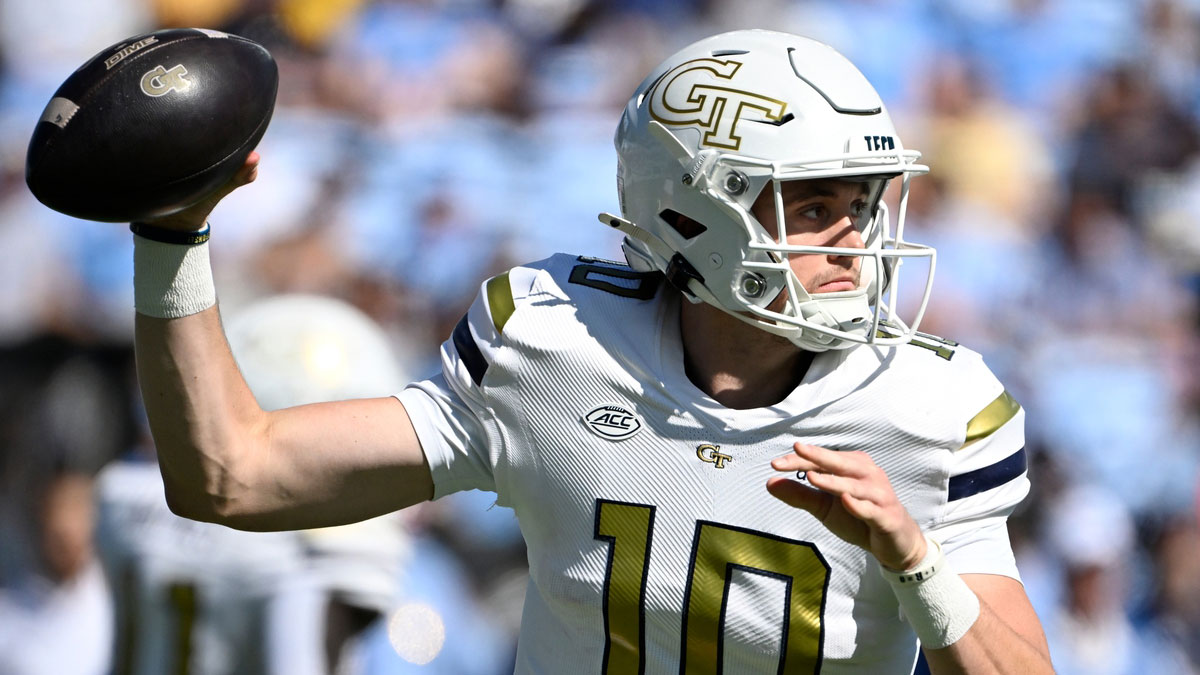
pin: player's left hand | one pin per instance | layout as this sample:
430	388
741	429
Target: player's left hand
852	497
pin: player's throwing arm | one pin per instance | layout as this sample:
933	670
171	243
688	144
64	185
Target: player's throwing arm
155	131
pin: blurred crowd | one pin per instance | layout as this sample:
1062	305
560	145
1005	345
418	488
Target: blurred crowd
420	146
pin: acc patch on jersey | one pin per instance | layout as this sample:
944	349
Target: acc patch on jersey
612	422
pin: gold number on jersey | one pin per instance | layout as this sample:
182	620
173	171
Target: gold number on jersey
627	528
182	597
180	600
717	552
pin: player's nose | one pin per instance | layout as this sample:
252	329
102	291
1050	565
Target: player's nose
845	233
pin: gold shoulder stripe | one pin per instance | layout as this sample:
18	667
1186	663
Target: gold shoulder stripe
991	418
500	300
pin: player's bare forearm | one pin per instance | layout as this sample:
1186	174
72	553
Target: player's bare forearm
201	413
224	459
1005	639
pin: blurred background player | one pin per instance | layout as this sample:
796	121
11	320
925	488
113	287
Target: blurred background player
188	597
202	598
56	618
349	575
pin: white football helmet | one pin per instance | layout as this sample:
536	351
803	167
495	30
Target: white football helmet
298	349
723	119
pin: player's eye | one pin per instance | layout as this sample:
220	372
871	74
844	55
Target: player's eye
812	211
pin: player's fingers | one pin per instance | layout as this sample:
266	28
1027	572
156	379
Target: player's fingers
794	493
855	488
245	175
792	462
249	170
838	462
802	458
833	483
866	510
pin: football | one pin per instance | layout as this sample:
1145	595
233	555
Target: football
151	125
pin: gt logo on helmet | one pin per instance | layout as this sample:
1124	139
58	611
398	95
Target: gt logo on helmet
698	92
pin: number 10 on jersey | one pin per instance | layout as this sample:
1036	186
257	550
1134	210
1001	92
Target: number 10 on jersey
717	552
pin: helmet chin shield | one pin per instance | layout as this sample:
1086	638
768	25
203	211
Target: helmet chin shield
733	116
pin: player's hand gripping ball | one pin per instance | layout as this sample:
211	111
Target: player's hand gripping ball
152	125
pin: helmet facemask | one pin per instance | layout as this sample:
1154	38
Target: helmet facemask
765	278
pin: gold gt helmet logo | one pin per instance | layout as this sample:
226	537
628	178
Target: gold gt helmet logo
700	92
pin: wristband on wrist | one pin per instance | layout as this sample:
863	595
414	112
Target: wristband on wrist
168	236
938	604
171	279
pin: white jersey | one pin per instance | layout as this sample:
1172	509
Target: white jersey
653	544
190	597
357	564
61	628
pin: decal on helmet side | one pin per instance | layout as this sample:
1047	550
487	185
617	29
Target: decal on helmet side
694	93
877	143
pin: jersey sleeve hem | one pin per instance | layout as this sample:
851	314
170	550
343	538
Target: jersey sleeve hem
424	412
979	546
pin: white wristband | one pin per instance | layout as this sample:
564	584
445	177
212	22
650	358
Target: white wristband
171	280
938	604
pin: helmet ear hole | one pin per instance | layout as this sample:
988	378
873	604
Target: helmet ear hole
686	227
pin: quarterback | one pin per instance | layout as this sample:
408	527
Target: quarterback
730	453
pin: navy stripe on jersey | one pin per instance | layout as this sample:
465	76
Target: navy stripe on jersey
622	280
468	351
992	476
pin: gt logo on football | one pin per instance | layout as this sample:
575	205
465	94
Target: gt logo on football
160	81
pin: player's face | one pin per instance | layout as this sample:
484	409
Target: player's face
821	212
